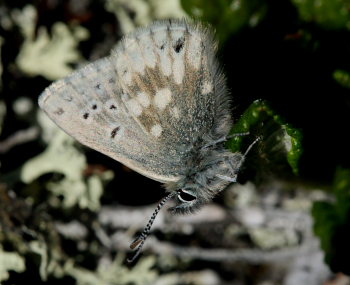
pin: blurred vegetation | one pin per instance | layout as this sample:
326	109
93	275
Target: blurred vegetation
65	210
332	222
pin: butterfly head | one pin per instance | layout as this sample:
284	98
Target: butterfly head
187	201
202	183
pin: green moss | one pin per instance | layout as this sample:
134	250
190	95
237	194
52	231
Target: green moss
332	222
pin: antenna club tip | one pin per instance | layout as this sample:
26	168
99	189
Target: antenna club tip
135	243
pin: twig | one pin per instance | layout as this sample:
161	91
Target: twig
19	137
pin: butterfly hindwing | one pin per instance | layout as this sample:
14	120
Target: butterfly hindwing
147	103
172	84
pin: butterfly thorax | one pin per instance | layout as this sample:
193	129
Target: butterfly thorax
209	171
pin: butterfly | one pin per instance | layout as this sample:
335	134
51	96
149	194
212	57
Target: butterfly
159	105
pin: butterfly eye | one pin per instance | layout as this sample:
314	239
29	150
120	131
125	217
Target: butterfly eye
185	196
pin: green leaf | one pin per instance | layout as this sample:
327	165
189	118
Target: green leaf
226	16
280	142
332	223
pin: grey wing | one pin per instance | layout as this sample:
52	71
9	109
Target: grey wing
158	93
173	86
88	106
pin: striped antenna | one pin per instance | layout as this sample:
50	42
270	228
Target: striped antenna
140	240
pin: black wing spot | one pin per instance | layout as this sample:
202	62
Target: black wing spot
112	107
114	132
94	107
86	115
179	44
98	86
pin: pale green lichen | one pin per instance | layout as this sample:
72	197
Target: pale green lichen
50	259
168	9
116	273
143	12
46	55
266	238
62	156
121	8
10	261
41	250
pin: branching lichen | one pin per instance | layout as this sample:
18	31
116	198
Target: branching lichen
49	56
10	261
61	156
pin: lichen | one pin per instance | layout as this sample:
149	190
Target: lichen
10	261
273	238
63	157
143	13
48	56
116	273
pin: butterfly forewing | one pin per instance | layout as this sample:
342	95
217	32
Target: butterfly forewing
147	103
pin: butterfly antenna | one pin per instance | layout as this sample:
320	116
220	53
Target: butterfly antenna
140	240
226	138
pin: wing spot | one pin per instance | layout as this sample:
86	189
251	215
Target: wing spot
134	106
114	132
207	88
94	107
143	99
86	116
98	86
156	130
179	44
162	98
112	107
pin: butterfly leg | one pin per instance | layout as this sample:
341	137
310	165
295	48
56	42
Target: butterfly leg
237	167
225	138
251	146
247	151
227	178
